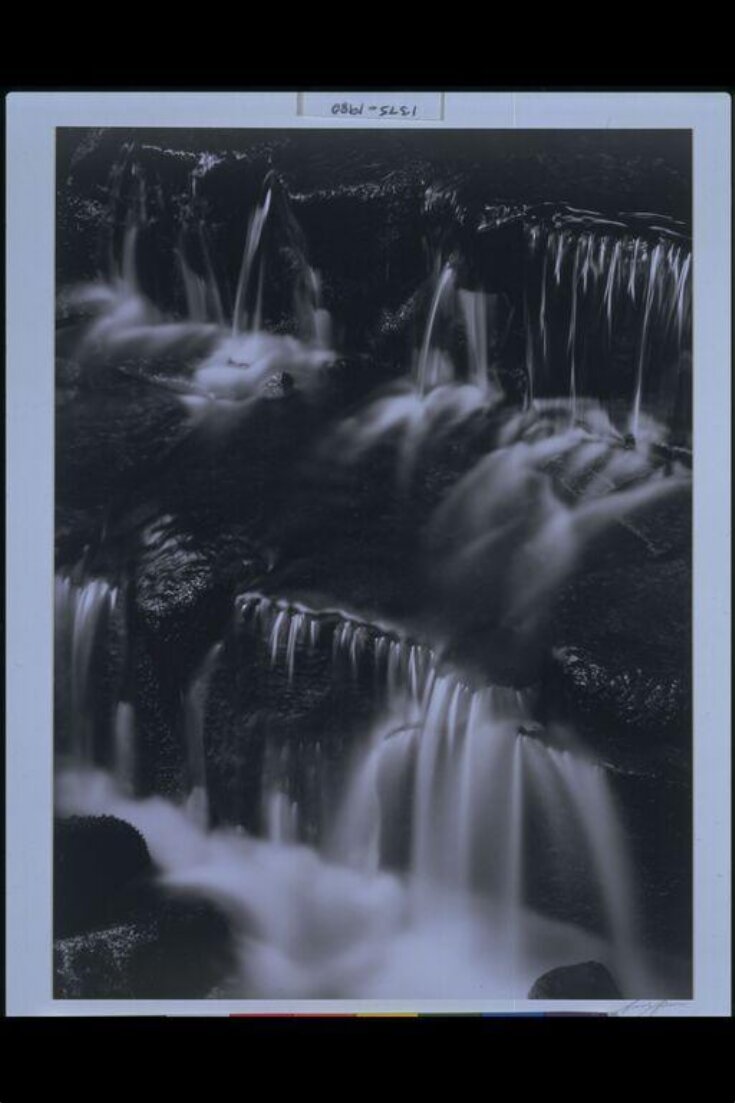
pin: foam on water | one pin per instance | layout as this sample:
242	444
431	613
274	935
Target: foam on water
421	883
309	927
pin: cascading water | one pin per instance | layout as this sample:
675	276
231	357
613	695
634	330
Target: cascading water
461	759
429	369
576	483
98	719
219	360
455	754
476	312
600	301
409	420
468	764
422	878
419	413
194	717
83	607
252	269
430	833
201	288
357	646
591	276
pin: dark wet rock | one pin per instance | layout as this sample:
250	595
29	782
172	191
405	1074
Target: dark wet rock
185	581
108	441
174	575
177	569
175	494
349	380
335	543
622	659
367	228
118	933
191	952
397	328
95	965
621	675
651	704
658	534
501	174
180	948
174	600
589	980
385	260
278	386
656	807
96	858
183	600
68	373
621	636
234	467
156	695
80	220
505	173
74	530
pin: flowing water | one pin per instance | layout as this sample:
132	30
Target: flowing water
575	482
446	777
83	607
194	715
602	297
221	361
422	880
311	927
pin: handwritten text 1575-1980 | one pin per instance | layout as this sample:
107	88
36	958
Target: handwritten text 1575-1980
404	111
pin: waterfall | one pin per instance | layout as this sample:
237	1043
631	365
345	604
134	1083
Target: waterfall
124	768
587	289
432	829
332	918
251	269
474	305
413	424
376	814
453	751
471	774
207	360
202	293
572	339
83	607
430	834
129	191
195	289
429	363
194	717
574	481
651	289
458	756
443	393
282	818
514	890
315	322
357	648
581	787
477	313
587	790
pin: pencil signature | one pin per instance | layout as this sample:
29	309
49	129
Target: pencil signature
650	1007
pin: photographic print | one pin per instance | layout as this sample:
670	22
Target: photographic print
373	564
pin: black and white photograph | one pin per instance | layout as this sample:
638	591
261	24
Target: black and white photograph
373	564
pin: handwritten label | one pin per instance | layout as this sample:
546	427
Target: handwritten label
386	106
